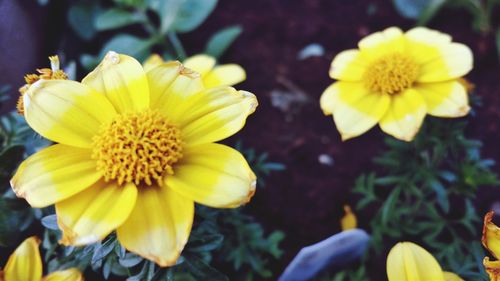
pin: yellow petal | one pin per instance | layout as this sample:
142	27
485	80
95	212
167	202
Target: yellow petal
92	214
492	268
158	228
66	111
348	66
173	87
445	99
380	43
405	115
25	264
123	80
71	274
491	235
439	58
214	175
153	61
349	220
450	276
355	110
200	63
215	114
54	174
409	262
224	75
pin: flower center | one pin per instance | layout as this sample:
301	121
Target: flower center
391	74
137	147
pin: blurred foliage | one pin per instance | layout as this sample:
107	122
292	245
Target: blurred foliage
424	192
481	11
158	23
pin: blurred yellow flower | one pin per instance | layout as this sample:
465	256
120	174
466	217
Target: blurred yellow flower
135	151
349	220
25	264
408	261
491	241
395	79
54	72
211	74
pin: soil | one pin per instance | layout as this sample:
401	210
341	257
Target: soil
305	201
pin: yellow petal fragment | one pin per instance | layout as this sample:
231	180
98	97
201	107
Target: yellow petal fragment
201	63
158	228
173	87
92	214
349	220
380	43
153	61
355	109
123	80
410	262
216	114
405	115
491	235
54	174
492	268
25	264
66	111
71	274
224	75
348	66
439	58
214	175
445	99
450	276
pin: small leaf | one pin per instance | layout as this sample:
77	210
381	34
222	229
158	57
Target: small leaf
441	195
128	44
81	18
116	18
130	260
389	204
191	14
50	222
221	40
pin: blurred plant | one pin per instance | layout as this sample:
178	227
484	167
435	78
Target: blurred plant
160	20
413	199
482	12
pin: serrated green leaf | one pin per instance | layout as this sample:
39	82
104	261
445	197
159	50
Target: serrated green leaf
222	40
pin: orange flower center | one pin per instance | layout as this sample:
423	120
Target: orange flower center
138	148
391	74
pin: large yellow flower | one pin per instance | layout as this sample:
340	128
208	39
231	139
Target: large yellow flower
491	241
25	264
211	74
135	149
395	79
408	261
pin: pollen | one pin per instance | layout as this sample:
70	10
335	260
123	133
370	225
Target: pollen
139	148
391	74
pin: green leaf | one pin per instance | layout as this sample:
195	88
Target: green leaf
202	271
389	205
221	40
167	10
441	195
50	222
128	44
116	18
191	14
81	18
430	11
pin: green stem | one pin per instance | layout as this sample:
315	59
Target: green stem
176	43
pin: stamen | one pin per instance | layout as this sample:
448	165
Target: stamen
138	148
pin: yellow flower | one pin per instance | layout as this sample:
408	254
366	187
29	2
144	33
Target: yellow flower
395	79
25	264
212	75
54	72
349	220
135	151
491	241
408	261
